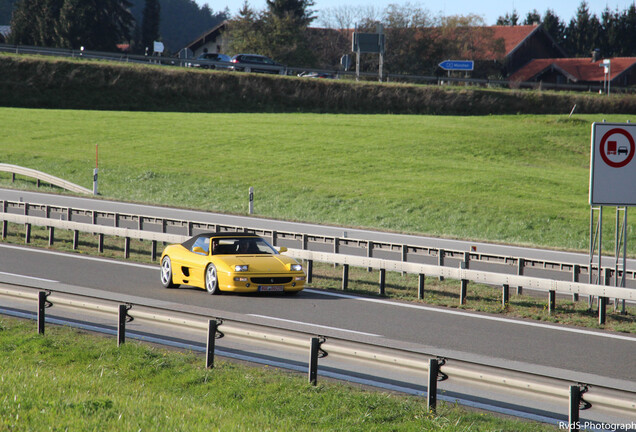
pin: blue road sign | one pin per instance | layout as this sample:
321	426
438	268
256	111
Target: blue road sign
465	65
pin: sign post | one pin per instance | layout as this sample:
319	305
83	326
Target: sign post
612	179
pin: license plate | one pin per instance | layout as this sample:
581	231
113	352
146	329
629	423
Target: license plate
270	288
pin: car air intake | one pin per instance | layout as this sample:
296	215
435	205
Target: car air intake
271	280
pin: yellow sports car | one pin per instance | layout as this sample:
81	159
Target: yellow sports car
230	262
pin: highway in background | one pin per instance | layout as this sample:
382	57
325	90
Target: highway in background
326	230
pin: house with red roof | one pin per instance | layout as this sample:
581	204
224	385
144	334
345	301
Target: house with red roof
524	43
584	71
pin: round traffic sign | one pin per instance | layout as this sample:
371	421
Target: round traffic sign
620	155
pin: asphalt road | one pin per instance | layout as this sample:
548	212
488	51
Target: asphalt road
588	355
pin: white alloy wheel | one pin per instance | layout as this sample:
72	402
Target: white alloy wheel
211	279
166	273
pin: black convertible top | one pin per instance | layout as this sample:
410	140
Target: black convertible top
188	243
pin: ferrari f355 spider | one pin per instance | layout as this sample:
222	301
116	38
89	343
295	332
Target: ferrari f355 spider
230	262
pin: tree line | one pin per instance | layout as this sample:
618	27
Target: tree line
103	24
416	40
286	30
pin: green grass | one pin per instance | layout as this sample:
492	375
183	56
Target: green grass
71	380
512	179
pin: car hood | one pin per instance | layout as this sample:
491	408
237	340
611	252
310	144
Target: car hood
261	263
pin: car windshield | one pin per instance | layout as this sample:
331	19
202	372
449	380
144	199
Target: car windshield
241	246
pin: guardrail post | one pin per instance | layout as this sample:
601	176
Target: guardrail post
5	225
440	260
100	243
75	239
520	265
602	312
576	271
43	304
153	250
431	394
51	236
551	301
405	252
123	318
421	280
369	253
126	247
27	233
463	289
345	276
274	237
575	401
310	271
315	352
213	335
382	281
505	295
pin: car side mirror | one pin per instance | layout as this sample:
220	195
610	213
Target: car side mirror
282	249
199	250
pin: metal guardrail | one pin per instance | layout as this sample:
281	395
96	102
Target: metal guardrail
54	217
294	70
43	177
573	395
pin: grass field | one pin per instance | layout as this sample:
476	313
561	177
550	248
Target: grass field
69	380
512	179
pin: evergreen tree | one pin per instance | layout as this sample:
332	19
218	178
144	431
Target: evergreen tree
627	26
34	22
533	17
94	24
509	19
297	11
554	26
582	34
610	37
150	24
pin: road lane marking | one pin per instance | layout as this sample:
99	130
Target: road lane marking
473	315
314	325
367	299
29	277
77	256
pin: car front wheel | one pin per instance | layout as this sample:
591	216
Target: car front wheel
211	280
166	273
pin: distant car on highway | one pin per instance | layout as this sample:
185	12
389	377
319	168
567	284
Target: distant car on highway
236	262
212	57
256	63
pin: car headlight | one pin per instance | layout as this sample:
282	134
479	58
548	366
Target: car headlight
241	268
296	267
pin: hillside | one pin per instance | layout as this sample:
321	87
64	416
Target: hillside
41	82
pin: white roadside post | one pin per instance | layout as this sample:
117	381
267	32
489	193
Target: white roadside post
95	170
251	197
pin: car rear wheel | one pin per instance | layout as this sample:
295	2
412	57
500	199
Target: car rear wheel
211	280
247	69
166	273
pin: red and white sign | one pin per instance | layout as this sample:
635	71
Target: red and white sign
613	166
